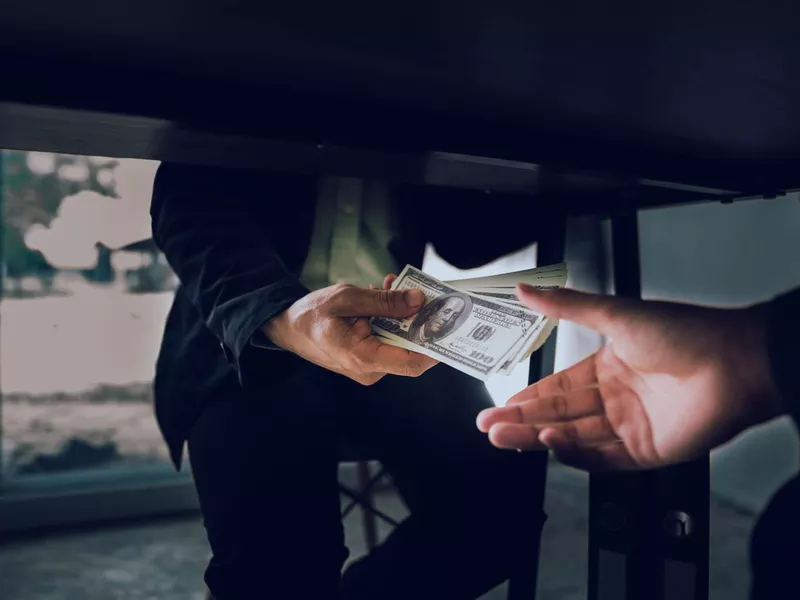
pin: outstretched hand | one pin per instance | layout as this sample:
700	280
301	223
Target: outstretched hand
673	382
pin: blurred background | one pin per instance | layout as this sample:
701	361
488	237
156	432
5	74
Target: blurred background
85	295
84	298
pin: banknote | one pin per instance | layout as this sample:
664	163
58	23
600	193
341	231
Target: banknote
536	338
505	297
473	334
550	275
502	288
508	295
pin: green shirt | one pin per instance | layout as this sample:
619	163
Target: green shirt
353	226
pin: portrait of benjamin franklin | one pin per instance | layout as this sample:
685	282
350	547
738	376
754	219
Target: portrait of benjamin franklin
440	318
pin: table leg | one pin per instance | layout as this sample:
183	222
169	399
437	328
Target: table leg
2	281
368	519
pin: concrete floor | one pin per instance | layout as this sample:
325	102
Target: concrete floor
165	560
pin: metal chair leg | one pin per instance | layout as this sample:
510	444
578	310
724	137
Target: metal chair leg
367	516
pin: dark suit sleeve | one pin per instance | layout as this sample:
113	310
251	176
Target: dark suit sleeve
783	339
203	223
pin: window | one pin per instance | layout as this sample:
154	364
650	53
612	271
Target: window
84	299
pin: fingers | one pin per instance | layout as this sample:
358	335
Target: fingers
610	457
358	352
589	432
349	301
540	411
578	376
515	436
372	355
583	433
593	311
388	281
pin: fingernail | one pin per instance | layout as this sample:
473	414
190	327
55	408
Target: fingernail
544	439
480	419
414	298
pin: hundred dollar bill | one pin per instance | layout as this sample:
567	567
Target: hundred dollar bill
533	343
508	296
536	338
550	276
502	288
467	332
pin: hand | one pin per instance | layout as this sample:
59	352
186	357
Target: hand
674	382
330	328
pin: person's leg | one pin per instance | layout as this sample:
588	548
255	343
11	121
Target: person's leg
476	511
270	504
775	546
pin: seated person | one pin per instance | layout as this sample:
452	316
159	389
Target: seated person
267	365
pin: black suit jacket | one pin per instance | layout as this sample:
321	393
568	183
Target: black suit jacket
237	240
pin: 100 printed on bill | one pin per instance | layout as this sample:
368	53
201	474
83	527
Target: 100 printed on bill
474	334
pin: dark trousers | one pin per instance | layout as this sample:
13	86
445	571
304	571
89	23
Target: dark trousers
265	467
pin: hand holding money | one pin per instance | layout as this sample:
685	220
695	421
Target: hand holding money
330	328
474	325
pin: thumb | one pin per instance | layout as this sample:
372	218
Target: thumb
358	302
601	313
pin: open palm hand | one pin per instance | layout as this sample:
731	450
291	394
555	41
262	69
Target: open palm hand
674	381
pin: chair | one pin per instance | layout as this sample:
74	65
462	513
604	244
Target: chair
362	496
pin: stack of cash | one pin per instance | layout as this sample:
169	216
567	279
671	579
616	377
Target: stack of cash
474	325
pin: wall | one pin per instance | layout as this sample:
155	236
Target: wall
730	255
